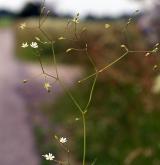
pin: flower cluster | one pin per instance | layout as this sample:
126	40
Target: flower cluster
51	156
33	45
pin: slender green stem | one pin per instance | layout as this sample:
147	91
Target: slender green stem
41	11
94	81
71	96
67	92
45	34
112	63
94	162
75	30
55	60
40	61
68	157
84	110
104	68
91	93
84	138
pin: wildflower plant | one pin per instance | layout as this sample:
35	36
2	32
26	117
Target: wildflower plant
49	156
24	45
83	110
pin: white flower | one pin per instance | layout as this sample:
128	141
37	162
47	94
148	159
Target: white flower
24	45
63	140
22	26
49	156
34	45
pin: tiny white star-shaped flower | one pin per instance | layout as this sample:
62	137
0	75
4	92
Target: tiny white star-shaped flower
63	140
24	45
22	26
34	45
49	156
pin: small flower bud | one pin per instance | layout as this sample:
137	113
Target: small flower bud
37	38
56	137
25	81
147	54
61	38
68	50
157	45
107	26
124	46
155	67
47	86
76	119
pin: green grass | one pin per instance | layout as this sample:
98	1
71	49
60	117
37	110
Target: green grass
117	124
106	41
5	22
29	34
44	143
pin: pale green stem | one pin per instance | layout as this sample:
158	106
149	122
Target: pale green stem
83	112
84	138
104	68
91	93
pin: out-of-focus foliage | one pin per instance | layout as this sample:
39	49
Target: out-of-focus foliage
5	22
123	123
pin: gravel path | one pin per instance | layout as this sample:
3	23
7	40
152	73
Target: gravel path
16	139
17	145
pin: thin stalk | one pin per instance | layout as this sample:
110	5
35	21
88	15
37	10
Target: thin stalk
68	157
94	81
112	63
49	75
84	138
104	68
86	107
71	96
40	61
75	102
91	93
55	60
45	34
75	30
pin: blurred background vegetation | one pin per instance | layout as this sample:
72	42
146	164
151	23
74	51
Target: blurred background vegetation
123	119
123	123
